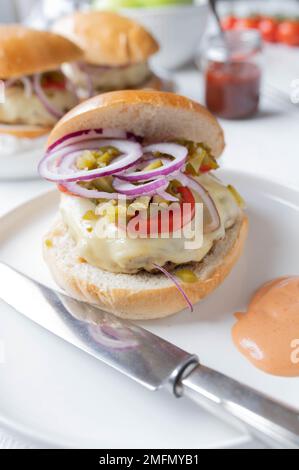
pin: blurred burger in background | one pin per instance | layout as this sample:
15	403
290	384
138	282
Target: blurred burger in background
36	93
116	52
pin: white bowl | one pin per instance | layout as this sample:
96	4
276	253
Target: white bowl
178	29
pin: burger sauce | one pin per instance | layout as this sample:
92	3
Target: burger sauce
268	333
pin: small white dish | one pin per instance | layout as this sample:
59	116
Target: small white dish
177	28
55	395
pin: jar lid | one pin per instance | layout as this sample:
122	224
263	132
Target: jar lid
234	45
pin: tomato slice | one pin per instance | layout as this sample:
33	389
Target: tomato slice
63	189
205	168
176	219
49	83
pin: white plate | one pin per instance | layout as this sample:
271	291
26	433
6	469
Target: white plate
58	396
19	157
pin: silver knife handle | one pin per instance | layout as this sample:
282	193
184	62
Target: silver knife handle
270	421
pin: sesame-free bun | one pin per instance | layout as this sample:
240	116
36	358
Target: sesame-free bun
157	116
107	38
24	51
144	295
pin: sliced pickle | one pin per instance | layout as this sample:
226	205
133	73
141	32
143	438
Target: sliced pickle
139	204
48	243
104	160
186	275
198	154
237	196
210	162
92	159
196	160
87	161
114	212
90	215
153	165
173	186
102	184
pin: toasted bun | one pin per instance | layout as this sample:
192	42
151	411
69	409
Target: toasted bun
29	132
24	51
141	296
152	114
107	38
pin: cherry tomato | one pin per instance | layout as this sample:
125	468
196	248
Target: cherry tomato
248	23
228	22
268	29
288	32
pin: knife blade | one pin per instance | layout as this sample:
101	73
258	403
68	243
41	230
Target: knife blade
132	350
149	360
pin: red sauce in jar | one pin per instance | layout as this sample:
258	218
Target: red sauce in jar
232	89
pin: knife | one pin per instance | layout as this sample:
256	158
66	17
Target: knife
150	360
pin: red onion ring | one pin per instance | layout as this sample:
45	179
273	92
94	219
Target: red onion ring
85	136
177	151
176	283
149	188
206	198
133	152
165	195
38	89
88	134
75	188
28	88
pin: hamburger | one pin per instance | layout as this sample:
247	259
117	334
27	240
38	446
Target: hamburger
36	91
116	52
114	158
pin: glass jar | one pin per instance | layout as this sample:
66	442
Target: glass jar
233	74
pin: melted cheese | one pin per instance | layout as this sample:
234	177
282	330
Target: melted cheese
111	78
126	255
19	108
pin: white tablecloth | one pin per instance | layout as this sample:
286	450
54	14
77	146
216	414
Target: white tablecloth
266	145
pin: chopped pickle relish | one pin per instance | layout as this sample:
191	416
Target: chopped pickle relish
237	196
186	275
92	159
200	159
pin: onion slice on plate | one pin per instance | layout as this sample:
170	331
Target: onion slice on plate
38	89
28	87
169	166
206	199
64	171
176	283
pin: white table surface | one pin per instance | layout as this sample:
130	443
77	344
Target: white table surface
266	145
